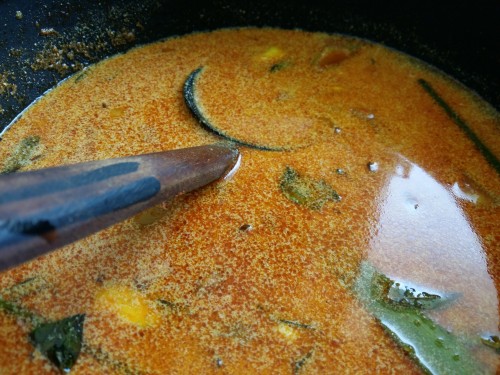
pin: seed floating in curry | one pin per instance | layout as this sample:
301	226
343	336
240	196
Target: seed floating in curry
360	233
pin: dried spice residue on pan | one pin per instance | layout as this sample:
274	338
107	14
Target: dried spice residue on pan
50	50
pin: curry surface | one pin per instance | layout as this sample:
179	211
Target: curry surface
236	277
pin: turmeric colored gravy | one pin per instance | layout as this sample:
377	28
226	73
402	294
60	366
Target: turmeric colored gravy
247	275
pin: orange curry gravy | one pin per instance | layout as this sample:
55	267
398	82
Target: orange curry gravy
237	277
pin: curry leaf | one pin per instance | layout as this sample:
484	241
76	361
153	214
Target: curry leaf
279	66
299	364
492	341
433	347
60	341
409	296
19	312
22	154
293	323
305	191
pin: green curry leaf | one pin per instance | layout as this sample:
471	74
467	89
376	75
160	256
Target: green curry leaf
400	295
305	191
19	312
60	341
437	350
492	341
22	154
279	66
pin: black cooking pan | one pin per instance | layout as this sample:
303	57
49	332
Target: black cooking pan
41	42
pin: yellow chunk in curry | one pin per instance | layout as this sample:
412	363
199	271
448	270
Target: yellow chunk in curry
128	304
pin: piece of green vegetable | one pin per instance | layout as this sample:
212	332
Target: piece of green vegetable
279	66
69	333
22	154
19	312
168	304
301	362
189	92
305	191
24	288
408	296
437	350
493	342
293	323
60	341
173	307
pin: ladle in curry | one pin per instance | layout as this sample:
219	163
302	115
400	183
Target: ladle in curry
45	209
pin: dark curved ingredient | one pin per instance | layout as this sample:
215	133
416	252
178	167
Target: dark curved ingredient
462	124
189	92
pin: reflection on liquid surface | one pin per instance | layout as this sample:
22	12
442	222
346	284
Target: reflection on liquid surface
425	238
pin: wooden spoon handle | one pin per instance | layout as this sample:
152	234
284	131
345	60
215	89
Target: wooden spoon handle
48	208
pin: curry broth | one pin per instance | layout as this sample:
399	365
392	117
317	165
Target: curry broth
237	277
